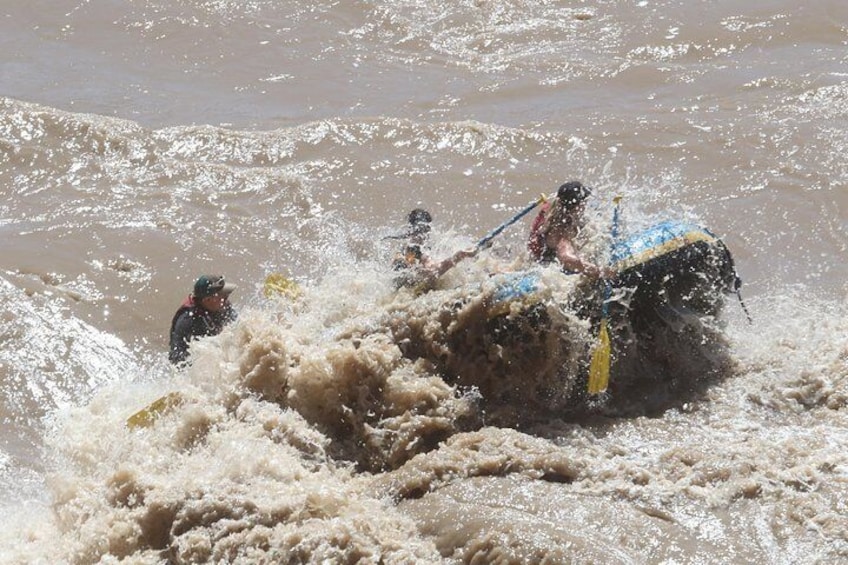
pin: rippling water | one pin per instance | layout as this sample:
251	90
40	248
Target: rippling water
146	142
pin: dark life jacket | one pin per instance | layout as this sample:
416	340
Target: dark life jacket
191	321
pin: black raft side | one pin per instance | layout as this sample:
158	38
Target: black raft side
696	274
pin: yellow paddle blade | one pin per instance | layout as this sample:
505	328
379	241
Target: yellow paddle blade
599	368
278	285
146	417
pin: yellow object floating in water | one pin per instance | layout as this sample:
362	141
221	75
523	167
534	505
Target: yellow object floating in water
147	417
278	285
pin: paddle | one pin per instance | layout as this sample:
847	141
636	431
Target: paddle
447	264
492	234
599	367
146	417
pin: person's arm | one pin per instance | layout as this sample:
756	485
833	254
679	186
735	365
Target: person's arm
573	261
429	271
443	267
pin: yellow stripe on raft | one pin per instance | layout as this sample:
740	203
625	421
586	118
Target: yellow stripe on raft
663	249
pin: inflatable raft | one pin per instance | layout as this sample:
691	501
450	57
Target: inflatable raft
669	263
667	341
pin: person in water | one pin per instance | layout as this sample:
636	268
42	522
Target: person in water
204	313
413	262
555	230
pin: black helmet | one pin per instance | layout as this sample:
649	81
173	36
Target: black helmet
419	225
420	220
419	216
572	193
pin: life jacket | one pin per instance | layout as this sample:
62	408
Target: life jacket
204	322
408	258
188	304
536	242
409	264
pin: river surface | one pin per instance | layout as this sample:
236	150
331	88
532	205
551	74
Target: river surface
146	142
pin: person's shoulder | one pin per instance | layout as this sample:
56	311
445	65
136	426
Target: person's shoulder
536	225
185	314
543	209
185	310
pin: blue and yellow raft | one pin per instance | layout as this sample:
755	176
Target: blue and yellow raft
671	260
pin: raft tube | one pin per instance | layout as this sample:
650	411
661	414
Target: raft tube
656	257
674	249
